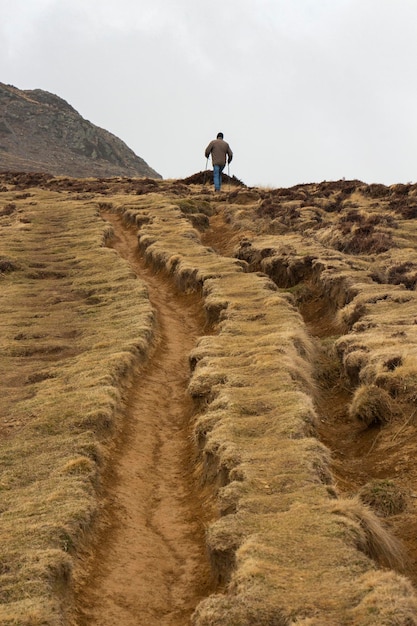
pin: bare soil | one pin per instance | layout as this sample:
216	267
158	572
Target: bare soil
151	565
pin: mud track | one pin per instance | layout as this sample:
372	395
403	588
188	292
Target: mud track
151	566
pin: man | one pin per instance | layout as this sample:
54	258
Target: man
219	150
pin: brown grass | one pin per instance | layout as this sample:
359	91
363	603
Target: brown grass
371	405
74	324
278	549
369	533
384	496
285	549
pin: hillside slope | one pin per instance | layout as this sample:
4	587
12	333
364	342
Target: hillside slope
273	429
40	132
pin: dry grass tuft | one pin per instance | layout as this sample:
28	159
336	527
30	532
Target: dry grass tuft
363	238
243	611
371	405
389	600
384	496
369	534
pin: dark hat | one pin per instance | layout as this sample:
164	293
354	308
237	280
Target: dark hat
220	135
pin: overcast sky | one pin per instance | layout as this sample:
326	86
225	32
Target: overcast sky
303	90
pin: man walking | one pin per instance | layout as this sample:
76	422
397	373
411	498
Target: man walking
219	150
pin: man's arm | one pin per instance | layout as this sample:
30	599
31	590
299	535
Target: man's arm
229	153
208	150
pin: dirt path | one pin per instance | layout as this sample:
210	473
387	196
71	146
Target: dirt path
151	567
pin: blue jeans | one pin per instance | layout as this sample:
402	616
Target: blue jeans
217	176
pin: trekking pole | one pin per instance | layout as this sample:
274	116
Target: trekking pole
228	174
205	172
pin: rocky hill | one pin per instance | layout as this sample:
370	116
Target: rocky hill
40	131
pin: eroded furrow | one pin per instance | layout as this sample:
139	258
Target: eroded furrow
359	454
151	566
